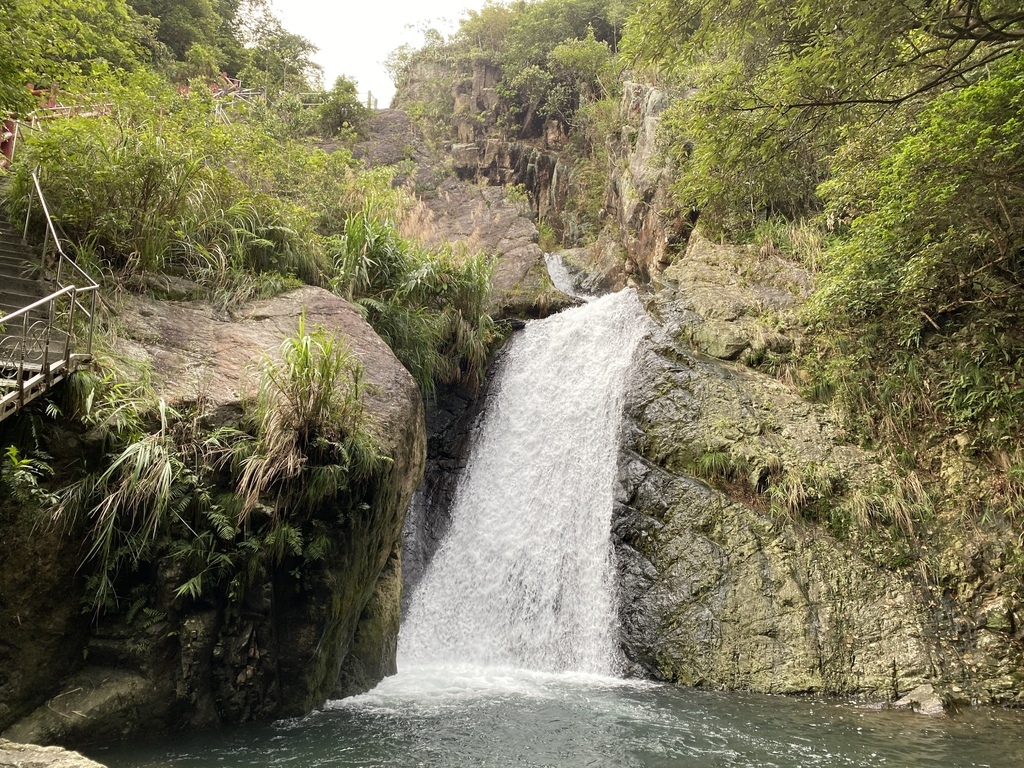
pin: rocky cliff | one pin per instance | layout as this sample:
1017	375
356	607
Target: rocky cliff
643	231
284	647
760	551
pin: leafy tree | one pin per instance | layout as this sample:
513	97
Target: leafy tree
46	43
581	67
902	123
281	62
537	28
554	56
180	24
486	30
342	108
933	265
780	79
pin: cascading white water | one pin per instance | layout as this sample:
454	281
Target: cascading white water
562	277
525	576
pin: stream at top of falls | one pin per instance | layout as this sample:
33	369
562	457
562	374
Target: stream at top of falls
509	656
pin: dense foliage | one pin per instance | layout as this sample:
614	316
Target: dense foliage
894	130
157	165
552	56
163	184
43	42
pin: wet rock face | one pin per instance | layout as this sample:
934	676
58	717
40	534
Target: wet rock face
42	628
717	594
286	646
719	591
650	232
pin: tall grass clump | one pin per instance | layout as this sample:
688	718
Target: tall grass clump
159	185
429	305
308	439
146	487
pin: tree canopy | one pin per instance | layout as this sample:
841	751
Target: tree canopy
897	125
780	83
43	42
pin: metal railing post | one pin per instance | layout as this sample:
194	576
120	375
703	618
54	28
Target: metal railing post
92	323
20	378
28	215
71	320
44	362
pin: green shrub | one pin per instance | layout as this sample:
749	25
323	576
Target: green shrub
429	305
160	186
342	110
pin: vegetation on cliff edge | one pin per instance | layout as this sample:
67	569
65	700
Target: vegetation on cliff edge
163	180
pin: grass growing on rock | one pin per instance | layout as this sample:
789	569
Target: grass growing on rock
226	505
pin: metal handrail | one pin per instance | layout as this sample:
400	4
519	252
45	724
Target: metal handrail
62	259
50	229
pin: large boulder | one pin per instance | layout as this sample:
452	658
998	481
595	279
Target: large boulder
285	647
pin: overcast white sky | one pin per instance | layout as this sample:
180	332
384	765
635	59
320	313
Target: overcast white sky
354	38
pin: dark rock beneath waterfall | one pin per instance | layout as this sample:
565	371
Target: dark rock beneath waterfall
372	655
451	421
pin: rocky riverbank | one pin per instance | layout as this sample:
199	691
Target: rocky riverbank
13	755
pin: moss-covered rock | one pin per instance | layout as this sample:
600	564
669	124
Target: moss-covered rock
755	552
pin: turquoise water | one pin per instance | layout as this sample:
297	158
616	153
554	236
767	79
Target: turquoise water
452	717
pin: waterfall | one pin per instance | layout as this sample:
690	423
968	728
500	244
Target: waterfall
525	577
562	277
